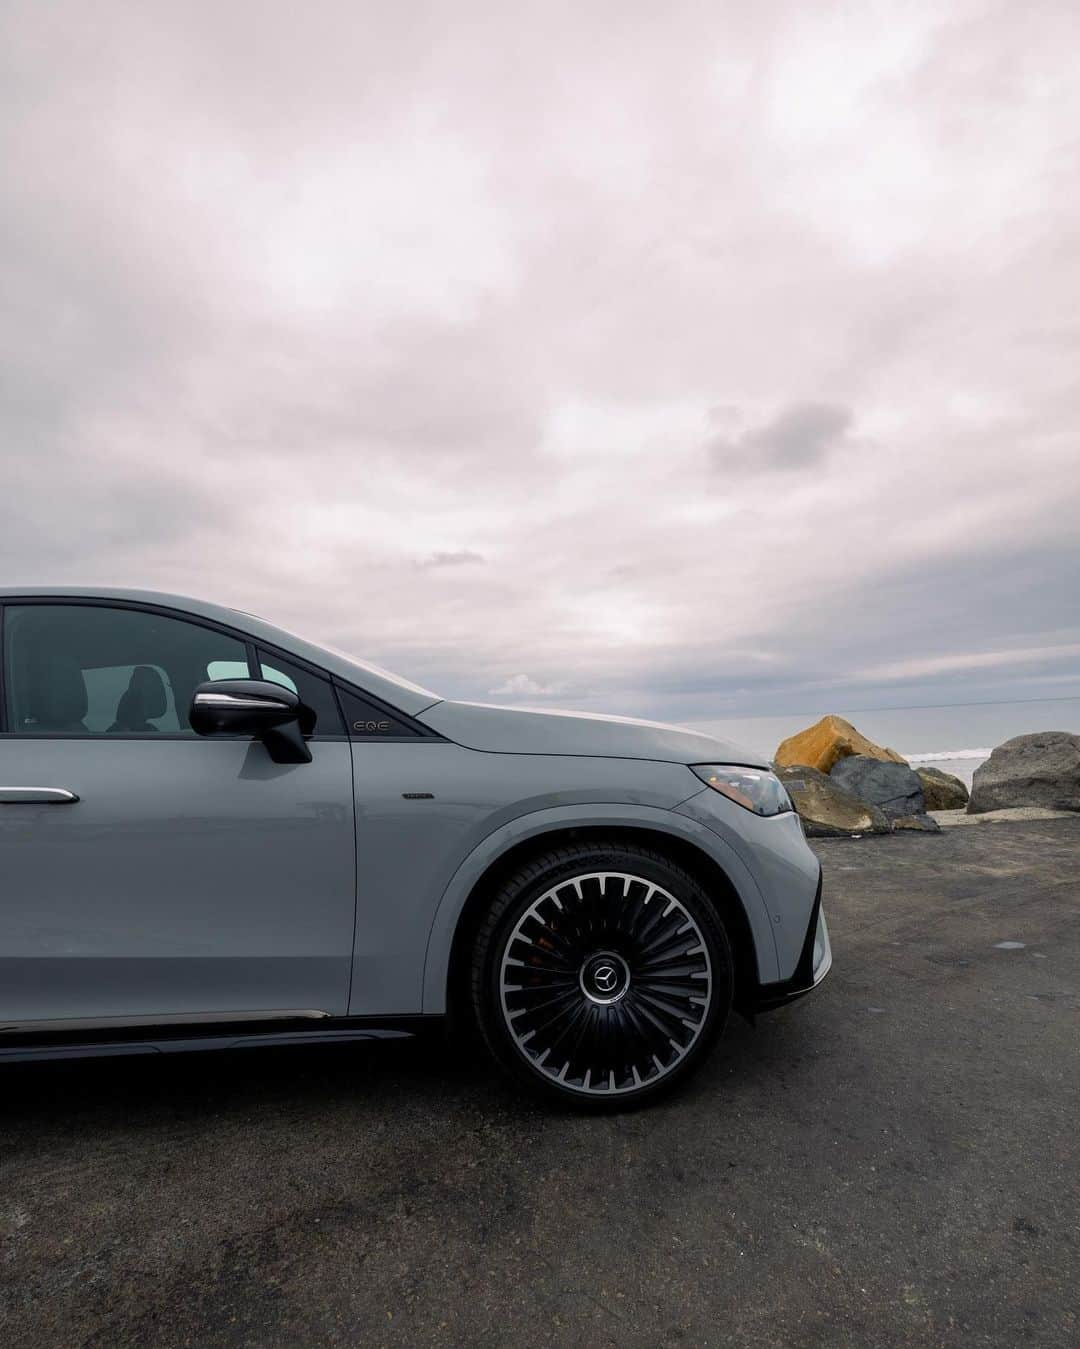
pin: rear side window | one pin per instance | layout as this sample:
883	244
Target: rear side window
85	669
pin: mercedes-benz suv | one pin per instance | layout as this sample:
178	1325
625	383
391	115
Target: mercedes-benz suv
214	833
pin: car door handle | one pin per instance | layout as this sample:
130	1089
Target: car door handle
36	796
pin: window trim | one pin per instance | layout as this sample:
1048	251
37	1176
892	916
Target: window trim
3	696
237	634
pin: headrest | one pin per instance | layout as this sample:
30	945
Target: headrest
147	685
144	698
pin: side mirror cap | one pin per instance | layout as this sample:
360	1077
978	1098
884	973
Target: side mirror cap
254	707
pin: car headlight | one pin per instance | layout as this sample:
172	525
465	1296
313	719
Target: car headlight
754	789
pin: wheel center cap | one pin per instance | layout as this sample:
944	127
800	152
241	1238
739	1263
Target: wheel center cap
604	977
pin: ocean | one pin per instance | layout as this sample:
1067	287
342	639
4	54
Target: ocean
957	737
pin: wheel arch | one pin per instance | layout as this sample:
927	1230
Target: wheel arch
459	914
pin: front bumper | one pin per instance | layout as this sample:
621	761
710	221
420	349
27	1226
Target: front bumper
815	962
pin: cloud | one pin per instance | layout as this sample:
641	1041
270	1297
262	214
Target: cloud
968	661
462	557
522	686
799	436
306	300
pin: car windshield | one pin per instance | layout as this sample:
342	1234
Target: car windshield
366	665
371	668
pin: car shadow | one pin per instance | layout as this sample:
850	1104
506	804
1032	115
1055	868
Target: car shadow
432	1072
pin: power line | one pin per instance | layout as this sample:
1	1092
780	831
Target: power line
909	707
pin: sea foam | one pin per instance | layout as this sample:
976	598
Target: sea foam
949	754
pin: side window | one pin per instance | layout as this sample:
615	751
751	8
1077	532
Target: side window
316	693
368	721
83	669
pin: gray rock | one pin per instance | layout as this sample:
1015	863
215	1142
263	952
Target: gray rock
941	790
1030	770
925	824
826	810
892	787
949	819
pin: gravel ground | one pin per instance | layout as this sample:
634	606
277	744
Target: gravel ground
891	1162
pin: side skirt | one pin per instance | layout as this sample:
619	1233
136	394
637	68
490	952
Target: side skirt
27	1045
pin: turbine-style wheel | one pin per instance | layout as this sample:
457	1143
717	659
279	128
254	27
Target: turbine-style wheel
602	973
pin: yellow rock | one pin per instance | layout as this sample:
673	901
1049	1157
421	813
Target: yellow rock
827	740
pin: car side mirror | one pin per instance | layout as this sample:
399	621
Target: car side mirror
252	707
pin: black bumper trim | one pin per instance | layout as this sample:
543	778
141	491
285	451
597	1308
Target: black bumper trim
771	996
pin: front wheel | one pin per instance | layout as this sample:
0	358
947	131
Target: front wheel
601	974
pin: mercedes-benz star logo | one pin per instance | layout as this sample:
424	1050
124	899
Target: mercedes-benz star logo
606	977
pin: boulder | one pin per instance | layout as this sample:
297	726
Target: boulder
1029	770
892	787
942	791
826	810
925	824
830	739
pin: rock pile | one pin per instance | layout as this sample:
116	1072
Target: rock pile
844	784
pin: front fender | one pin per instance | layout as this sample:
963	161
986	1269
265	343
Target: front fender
536	823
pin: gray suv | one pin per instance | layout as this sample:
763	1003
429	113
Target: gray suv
215	834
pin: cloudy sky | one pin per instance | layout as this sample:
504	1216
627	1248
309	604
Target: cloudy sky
688	360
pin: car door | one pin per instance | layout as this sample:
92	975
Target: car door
149	873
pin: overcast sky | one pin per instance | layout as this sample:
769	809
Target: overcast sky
686	360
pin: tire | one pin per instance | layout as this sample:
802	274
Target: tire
601	975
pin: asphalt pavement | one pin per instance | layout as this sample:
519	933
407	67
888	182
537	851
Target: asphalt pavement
893	1161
